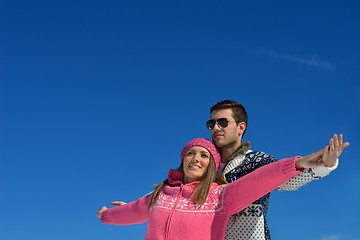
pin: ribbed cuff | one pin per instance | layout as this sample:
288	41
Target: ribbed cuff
104	216
323	171
289	164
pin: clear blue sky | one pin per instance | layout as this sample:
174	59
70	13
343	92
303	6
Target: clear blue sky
99	97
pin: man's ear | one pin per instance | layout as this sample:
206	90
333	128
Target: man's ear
241	128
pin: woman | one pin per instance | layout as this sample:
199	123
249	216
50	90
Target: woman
194	203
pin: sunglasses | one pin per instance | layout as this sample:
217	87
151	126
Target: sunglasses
222	122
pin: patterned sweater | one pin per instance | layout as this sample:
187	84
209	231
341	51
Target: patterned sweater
175	216
251	222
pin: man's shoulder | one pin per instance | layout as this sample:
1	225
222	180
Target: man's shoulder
244	160
251	161
259	157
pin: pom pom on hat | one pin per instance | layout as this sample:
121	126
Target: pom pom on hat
205	143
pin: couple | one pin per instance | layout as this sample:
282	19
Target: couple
194	203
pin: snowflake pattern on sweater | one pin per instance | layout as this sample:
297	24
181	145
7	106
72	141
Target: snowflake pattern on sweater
251	222
176	216
212	206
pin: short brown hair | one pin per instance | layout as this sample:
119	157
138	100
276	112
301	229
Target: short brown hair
239	111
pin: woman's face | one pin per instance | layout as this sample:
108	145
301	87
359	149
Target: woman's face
195	163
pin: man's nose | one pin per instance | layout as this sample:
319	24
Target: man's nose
216	127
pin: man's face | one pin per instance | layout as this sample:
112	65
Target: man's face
225	136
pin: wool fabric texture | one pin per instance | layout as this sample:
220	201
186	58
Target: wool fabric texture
175	215
205	143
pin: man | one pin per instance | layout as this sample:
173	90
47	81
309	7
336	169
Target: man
227	125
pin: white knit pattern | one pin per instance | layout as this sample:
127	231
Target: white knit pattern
213	204
245	227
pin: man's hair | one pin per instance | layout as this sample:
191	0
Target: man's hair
238	110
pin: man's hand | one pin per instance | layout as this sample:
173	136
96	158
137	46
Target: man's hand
333	150
117	203
324	157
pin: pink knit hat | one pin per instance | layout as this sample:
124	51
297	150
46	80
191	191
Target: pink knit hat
205	143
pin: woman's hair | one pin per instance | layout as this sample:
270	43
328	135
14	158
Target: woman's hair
202	188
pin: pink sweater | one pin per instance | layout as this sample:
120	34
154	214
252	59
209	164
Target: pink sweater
174	216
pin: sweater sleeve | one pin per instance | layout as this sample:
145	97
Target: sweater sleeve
306	177
322	171
242	192
135	212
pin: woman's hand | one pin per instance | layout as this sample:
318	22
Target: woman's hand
100	211
310	161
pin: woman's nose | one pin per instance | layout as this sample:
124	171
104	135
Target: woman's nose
196	157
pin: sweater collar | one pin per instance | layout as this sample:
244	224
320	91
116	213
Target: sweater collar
176	178
237	157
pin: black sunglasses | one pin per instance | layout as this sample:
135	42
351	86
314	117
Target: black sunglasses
222	122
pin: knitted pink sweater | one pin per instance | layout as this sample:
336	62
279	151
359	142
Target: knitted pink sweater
175	216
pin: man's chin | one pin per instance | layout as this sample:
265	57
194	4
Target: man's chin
218	143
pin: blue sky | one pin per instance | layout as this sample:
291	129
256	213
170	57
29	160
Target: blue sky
97	98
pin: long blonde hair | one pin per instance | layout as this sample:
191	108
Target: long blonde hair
202	188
